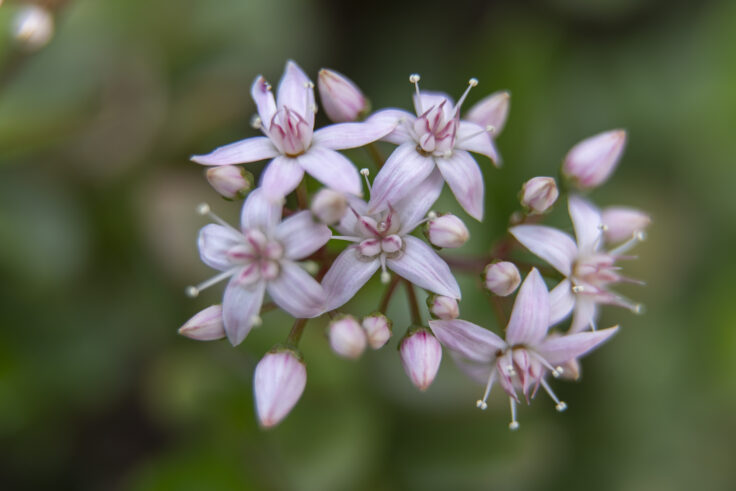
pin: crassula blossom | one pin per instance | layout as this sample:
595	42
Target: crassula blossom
261	256
342	100
522	361
278	383
590	163
589	271
435	138
287	122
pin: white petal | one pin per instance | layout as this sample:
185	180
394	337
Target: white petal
530	316
402	172
476	371
561	349
297	292
214	242
332	169
296	92
351	135
561	302
260	212
491	111
301	236
584	314
263	97
346	276
347	224
462	174
240	152
240	306
423	267
278	383
467	339
430	99
281	177
474	138
401	133
587	221
555	247
413	208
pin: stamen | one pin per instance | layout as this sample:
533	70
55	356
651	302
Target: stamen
514	424
578	289
385	275
481	403
559	405
204	209
635	239
256	321
311	267
365	173
256	122
638	308
415	78
346	237
193	291
488	129
556	372
471	83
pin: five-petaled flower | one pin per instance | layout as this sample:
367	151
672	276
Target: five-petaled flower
522	360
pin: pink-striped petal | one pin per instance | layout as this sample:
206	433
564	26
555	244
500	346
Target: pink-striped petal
470	341
331	169
348	273
260	212
240	152
423	267
214	242
301	236
530	316
240	306
587	221
296	92
351	135
561	302
263	97
479	372
401	133
278	383
584	313
475	138
402	172
297	292
413	208
430	99
349	220
555	247
491	111
561	349
462	174
281	177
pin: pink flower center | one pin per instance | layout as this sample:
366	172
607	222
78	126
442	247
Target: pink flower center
290	132
259	255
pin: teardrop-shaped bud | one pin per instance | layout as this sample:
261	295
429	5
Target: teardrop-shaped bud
342	100
621	223
421	355
329	206
589	163
378	329
347	337
442	307
231	181
206	325
447	231
278	383
502	278
538	194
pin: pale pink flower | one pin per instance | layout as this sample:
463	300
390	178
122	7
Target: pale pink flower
502	278
588	270
278	383
446	231
347	337
522	360
231	181
421	355
342	100
206	325
378	329
436	137
329	206
589	163
292	143
622	223
382	240
538	194
261	257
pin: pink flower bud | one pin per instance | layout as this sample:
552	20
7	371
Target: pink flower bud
623	223
538	194
231	181
278	384
347	337
502	278
421	355
206	325
447	231
378	329
342	100
589	163
491	111
329	206
442	307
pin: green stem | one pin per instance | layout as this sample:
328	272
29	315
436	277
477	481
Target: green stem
388	294
376	155
416	316
296	332
301	195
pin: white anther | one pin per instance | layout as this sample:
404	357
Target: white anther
256	122
256	321
385	277
514	425
365	171
640	236
556	373
638	308
308	85
191	291
559	369
473	82
481	404
510	370
414	78
447	154
490	128
203	209
310	267
432	215
561	406
603	227
578	288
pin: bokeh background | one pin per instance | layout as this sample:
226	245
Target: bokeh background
97	242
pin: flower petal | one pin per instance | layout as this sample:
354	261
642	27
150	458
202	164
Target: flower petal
240	306
402	172
476	371
530	316
491	111
467	339
587	221
584	314
346	276
263	97
347	224
281	177
561	302
428	99
423	267
413	208
331	169
296	92
550	244
351	135
214	242
297	292
561	349
475	138
260	212
240	152
401	133
301	235
462	174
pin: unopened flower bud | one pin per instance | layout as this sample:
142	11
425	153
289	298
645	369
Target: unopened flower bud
502	278
421	355
231	181
446	231
442	307
33	27
329	206
491	111
589	163
622	223
206	325
378	329
347	337
538	194
278	384
342	100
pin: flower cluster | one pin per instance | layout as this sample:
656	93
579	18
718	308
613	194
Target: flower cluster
280	248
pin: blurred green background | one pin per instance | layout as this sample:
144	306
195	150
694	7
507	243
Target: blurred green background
97	242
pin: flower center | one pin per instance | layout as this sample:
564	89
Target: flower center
290	132
259	257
